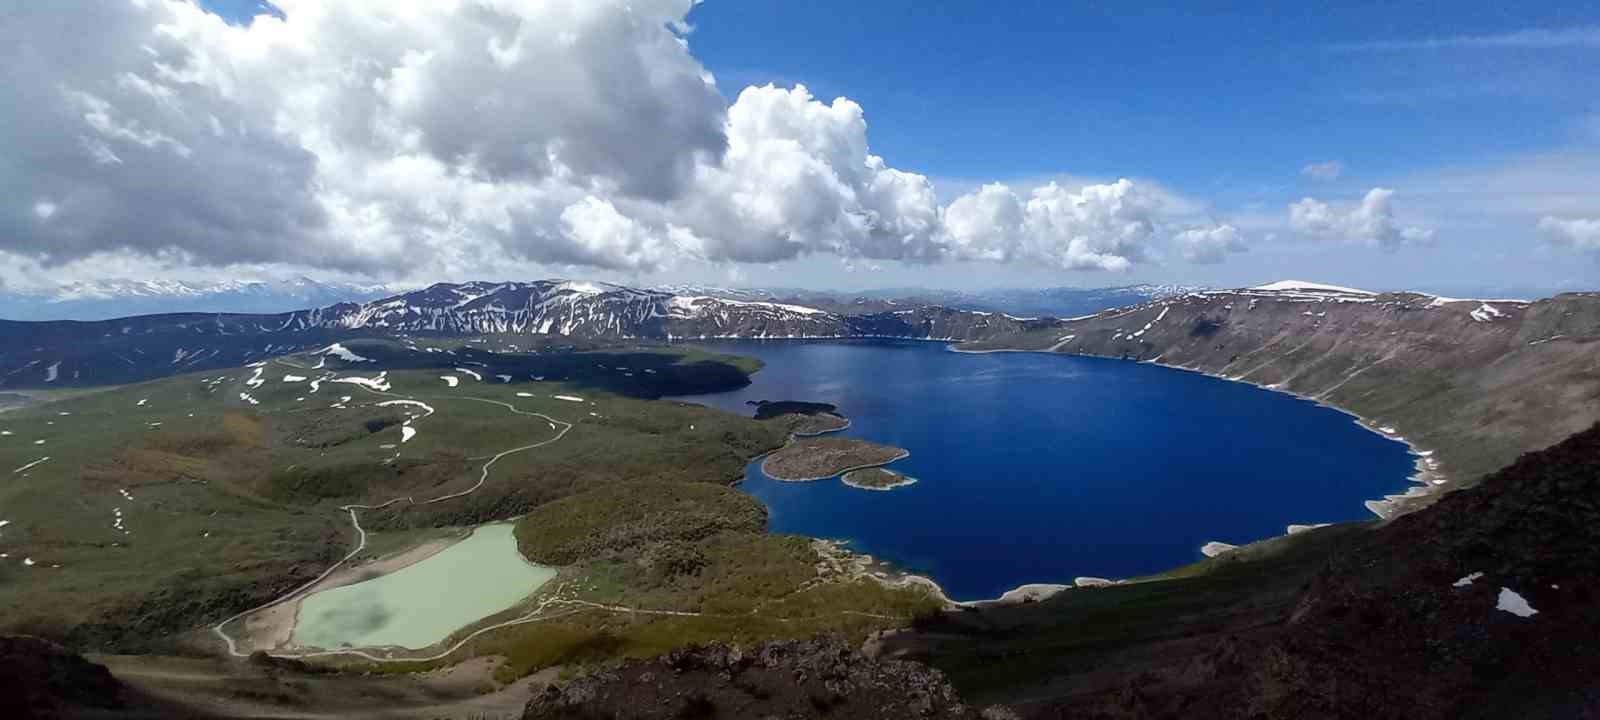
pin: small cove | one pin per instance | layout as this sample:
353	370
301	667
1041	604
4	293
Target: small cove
1042	468
421	604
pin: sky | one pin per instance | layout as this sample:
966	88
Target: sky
825	144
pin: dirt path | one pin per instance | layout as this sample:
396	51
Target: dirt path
361	540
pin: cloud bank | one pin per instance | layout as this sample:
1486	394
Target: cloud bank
444	138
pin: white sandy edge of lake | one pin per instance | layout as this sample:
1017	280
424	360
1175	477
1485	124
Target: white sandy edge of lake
1428	480
902	482
904	453
862	566
273	628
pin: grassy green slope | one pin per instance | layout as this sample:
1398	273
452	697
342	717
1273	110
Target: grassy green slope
234	503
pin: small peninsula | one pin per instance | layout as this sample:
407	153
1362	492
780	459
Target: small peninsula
803	418
807	459
877	478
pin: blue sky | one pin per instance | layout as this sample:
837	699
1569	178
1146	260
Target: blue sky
1228	104
1237	101
1426	145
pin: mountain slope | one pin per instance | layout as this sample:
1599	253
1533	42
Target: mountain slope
65	353
1427	616
1476	381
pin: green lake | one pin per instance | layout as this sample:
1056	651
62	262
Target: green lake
422	604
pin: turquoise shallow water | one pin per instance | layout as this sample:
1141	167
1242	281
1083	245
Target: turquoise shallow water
422	604
1041	468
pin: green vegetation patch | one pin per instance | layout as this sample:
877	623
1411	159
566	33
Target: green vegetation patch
877	478
824	457
622	518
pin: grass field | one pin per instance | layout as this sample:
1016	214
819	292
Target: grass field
227	483
151	511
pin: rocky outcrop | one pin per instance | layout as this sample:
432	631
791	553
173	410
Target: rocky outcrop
40	679
1477	381
1480	606
817	678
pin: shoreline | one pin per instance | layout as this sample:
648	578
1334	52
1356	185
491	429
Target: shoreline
1426	480
819	433
905	481
904	453
279	622
869	567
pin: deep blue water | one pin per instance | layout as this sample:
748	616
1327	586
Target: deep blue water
1042	468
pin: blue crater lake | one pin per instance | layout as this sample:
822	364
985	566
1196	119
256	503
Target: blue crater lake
1037	468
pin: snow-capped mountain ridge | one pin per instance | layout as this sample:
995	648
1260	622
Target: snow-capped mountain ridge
604	311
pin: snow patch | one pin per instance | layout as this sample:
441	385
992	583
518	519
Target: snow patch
52	372
25	468
343	353
426	407
1214	548
1467	580
1513	603
1303	285
568	398
1486	313
473	373
379	383
450	380
504	378
294	378
406	433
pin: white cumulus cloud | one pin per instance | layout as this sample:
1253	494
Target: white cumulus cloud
1095	226
451	138
1370	221
1210	245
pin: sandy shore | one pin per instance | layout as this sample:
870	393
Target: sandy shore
273	628
837	559
903	480
901	456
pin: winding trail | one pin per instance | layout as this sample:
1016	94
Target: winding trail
536	615
361	537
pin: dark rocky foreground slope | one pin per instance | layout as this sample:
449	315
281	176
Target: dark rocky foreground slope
1411	619
65	353
821	678
40	679
1477	381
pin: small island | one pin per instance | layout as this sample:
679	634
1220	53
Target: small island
803	418
808	459
877	478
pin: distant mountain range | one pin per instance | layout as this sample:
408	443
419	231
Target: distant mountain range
116	298
113	298
1020	302
57	353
